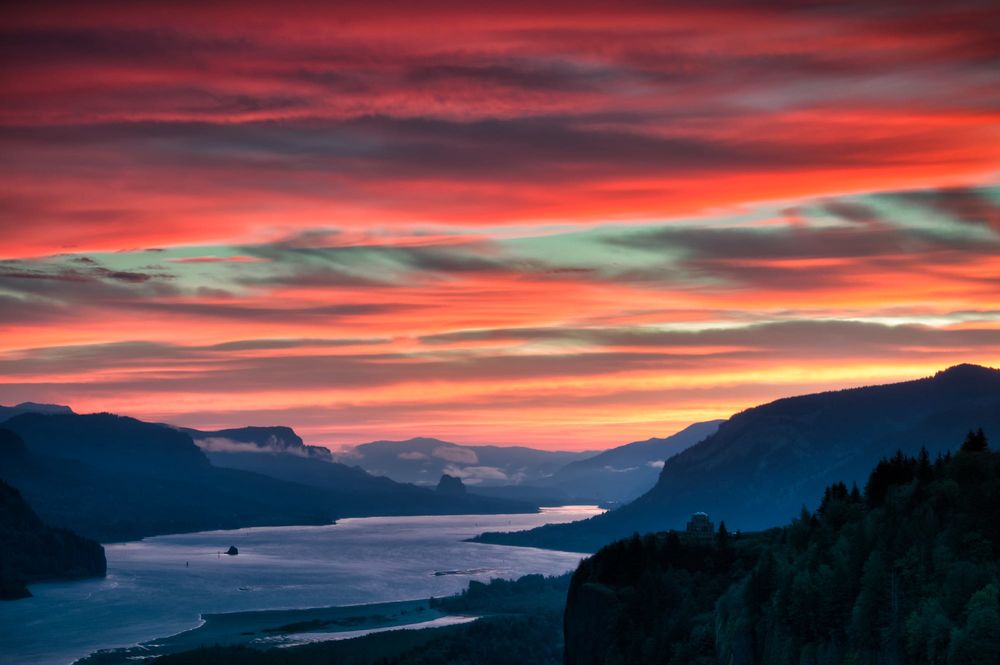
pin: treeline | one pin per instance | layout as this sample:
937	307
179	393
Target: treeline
491	641
905	571
525	595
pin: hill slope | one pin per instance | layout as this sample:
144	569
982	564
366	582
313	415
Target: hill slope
112	478
30	551
765	463
626	472
115	478
905	573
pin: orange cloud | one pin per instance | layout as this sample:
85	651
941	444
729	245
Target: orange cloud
563	225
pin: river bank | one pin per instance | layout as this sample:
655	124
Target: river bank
283	628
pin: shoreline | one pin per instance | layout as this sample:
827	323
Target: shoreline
268	629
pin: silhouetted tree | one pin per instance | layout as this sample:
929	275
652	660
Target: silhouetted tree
924	470
723	538
975	442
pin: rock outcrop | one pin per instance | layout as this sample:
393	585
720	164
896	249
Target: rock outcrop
450	485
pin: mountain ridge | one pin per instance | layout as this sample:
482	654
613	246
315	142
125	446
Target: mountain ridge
423	460
7	412
116	478
625	472
273	438
766	462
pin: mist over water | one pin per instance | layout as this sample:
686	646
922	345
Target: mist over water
160	586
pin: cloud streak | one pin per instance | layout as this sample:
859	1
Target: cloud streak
559	225
514	116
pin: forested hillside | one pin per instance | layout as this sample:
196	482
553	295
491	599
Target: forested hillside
904	572
31	551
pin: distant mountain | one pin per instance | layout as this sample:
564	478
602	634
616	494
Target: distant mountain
108	441
539	476
280	453
359	493
115	478
539	496
423	460
765	463
278	439
612	477
626	472
450	485
30	551
112	478
7	412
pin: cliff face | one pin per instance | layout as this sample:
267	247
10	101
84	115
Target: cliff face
274	439
765	463
30	551
8	412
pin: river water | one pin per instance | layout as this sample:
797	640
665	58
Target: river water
160	586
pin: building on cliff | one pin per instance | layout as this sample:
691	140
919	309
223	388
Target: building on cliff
700	528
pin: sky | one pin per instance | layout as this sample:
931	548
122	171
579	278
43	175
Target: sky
565	225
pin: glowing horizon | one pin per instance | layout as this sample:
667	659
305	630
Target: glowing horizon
568	227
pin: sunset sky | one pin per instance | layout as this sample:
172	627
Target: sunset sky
566	225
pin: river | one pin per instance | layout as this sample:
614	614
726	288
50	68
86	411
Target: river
160	586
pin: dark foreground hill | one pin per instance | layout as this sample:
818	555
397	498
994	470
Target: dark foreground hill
30	551
765	463
906	572
115	478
